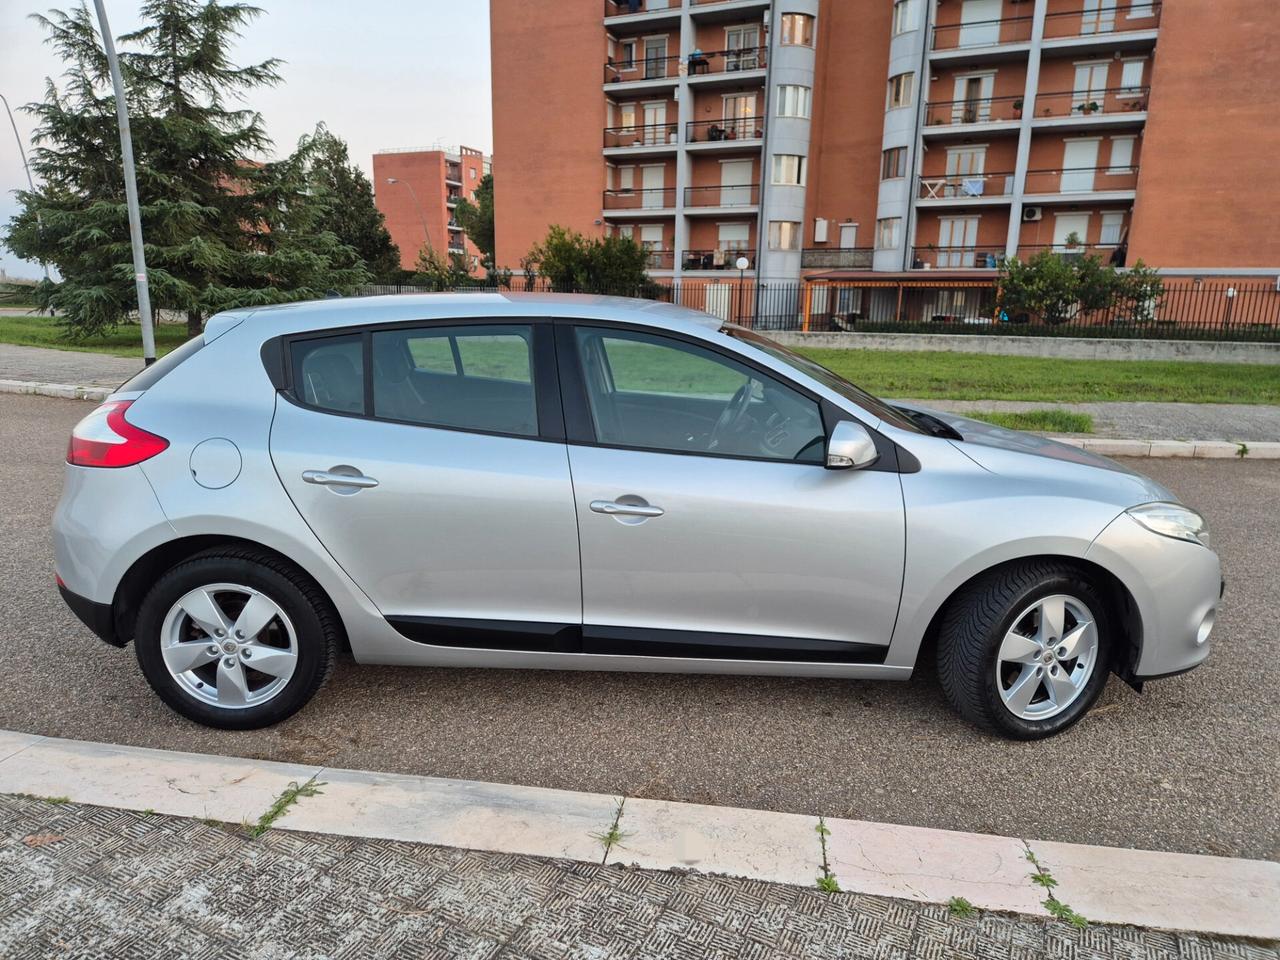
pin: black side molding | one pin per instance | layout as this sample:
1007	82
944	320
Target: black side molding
98	617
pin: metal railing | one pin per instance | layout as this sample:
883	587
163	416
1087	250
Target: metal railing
1078	251
1102	21
982	33
661	260
743	195
727	61
643	135
933	257
1087	103
744	128
647	198
837	258
976	110
642	68
968	185
1080	180
619	8
725	258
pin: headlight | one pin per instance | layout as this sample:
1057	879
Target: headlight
1172	520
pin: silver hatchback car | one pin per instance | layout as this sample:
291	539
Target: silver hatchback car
582	483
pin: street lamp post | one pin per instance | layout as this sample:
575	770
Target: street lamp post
742	264
130	191
26	168
421	215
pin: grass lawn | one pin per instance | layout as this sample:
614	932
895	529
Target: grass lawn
977	376
1045	421
124	341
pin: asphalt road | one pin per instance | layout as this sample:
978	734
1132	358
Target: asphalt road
1191	765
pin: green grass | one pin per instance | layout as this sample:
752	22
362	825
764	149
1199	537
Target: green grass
1045	421
124	341
972	376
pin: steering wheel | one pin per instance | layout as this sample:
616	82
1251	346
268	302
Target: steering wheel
731	417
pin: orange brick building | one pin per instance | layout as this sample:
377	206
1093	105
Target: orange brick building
873	138
418	192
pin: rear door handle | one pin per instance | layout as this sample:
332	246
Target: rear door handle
326	478
615	509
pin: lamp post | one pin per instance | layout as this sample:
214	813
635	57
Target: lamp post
421	216
1231	302
742	263
130	191
26	168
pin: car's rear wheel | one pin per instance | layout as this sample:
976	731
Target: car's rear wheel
1024	651
236	638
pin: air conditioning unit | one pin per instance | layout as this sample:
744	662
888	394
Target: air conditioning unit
1032	214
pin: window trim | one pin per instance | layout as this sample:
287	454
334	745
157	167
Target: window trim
546	392
809	20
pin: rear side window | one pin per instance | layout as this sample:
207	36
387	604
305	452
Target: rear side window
473	377
151	375
329	373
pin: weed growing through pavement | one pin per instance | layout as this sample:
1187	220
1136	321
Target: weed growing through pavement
291	795
960	908
827	881
1042	877
1243	451
614	836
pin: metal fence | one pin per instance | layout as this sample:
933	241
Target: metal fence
1186	310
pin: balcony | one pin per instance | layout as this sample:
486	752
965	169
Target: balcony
836	258
717	67
1070	182
645	136
1092	107
980	34
931	257
954	116
711	199
962	189
661	260
646	71
725	258
1068	252
1103	27
453	173
654	201
725	132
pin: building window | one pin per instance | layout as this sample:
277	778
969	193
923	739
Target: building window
626	178
900	90
848	236
1121	155
887	233
1131	74
905	16
1140	9
893	163
784	235
473	173
733	236
794	101
788	170
1112	229
627	55
797	29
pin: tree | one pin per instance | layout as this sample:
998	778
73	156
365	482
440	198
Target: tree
477	220
1054	287
348	208
572	263
437	273
221	230
1045	285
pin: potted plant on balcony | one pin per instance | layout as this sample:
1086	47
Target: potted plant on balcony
1017	109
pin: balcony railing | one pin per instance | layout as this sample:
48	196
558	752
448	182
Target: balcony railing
661	260
744	195
956	258
1081	180
1102	21
745	128
648	198
982	33
1088	103
646	68
727	61
837	258
645	135
1073	252
939	113
725	258
618	8
968	185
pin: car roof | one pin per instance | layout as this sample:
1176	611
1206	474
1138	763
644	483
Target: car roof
353	311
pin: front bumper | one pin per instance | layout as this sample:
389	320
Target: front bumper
1175	585
98	617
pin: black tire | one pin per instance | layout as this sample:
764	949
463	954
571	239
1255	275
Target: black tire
975	624
315	621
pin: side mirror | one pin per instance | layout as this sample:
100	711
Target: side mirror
850	446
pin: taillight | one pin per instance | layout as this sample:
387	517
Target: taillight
106	439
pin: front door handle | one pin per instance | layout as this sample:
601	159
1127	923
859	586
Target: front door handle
329	478
616	508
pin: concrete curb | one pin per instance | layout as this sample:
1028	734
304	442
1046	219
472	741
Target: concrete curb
1214	895
63	391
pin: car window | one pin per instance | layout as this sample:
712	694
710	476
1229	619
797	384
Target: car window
329	373
659	393
474	377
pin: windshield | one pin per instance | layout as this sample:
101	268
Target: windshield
832	381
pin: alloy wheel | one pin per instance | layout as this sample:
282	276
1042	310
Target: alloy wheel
1047	657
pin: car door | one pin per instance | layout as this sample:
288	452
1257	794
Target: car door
709	527
429	460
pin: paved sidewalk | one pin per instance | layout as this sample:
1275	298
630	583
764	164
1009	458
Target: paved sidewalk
81	881
42	365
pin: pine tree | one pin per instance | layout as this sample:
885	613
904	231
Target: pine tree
220	229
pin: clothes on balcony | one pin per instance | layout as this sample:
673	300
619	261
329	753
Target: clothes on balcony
698	62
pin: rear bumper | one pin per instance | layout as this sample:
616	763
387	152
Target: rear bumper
98	617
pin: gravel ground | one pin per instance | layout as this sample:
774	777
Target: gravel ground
65	366
1192	765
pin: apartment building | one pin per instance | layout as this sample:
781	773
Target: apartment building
878	138
418	191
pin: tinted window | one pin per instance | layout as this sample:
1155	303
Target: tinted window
329	373
152	374
470	377
658	393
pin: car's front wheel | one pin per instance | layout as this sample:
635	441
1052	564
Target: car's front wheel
236	638
1025	650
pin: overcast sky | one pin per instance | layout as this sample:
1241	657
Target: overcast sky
380	73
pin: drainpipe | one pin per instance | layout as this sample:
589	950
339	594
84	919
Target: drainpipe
1024	131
